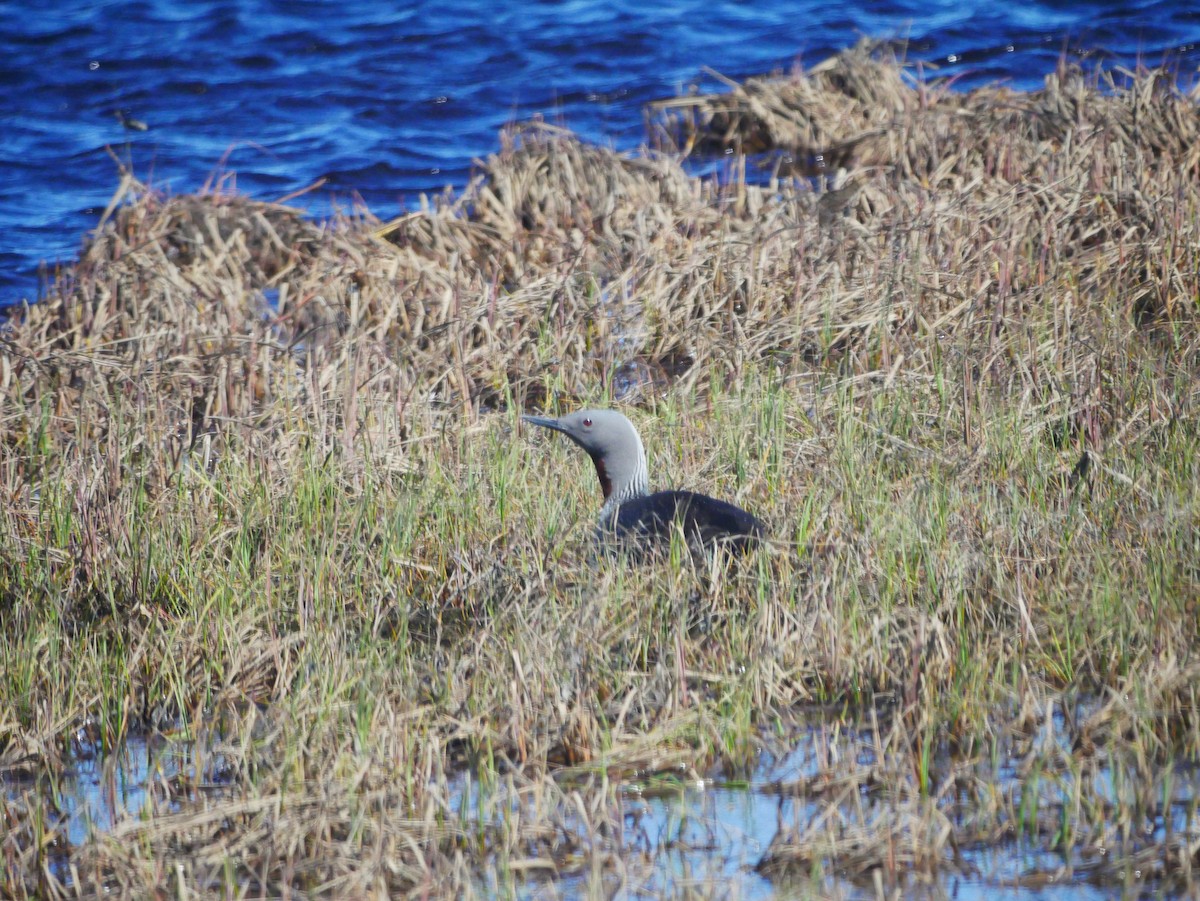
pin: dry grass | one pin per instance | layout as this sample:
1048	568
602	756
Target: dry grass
262	487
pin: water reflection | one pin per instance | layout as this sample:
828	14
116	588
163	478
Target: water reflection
1033	819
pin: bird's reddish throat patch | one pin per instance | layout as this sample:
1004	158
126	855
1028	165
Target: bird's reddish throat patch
605	481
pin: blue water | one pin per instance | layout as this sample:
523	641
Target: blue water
385	100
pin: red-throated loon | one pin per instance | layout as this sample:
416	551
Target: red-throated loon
630	511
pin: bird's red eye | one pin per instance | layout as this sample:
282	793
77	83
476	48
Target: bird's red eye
587	423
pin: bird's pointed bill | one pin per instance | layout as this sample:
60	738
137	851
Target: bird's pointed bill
544	422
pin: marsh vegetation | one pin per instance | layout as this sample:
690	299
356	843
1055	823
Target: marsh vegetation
265	493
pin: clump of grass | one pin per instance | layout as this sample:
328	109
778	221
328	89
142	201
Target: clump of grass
266	490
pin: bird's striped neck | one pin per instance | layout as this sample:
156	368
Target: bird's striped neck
625	486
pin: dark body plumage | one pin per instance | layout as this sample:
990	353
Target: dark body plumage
630	513
703	519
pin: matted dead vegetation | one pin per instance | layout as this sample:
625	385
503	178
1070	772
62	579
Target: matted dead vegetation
262	488
862	110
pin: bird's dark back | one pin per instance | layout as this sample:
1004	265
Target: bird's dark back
704	519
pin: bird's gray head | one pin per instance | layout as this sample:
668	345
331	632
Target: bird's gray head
614	446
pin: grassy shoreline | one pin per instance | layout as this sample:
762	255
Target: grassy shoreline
265	489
